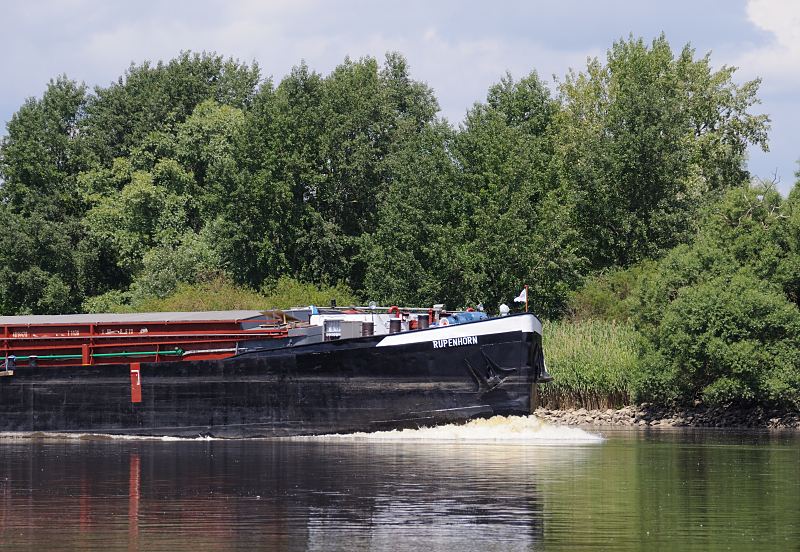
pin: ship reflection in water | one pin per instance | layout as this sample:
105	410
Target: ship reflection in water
473	488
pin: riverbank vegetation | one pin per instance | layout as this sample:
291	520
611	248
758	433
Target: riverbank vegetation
593	363
218	293
618	193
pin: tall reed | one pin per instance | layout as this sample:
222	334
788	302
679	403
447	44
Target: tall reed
593	363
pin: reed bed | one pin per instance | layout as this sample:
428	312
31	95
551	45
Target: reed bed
593	364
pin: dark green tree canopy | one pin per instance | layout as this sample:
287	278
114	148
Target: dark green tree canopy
198	168
644	139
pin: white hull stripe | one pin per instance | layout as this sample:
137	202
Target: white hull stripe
527	323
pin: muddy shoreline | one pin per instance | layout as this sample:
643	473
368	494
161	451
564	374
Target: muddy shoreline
645	415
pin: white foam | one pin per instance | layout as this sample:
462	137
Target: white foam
56	436
505	429
497	429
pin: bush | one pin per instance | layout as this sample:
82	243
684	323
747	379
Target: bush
217	294
288	292
164	267
115	301
718	317
729	340
608	295
220	294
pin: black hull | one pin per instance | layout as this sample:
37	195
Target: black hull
361	384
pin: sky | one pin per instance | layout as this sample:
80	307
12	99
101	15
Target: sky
459	48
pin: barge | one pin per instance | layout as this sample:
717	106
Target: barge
265	374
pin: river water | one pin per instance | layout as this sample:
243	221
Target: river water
503	484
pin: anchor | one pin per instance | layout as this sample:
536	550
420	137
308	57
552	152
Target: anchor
488	382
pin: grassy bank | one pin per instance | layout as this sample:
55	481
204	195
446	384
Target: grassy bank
593	363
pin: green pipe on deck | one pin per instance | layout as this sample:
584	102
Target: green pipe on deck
176	352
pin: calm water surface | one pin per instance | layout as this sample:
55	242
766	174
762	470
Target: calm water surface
687	490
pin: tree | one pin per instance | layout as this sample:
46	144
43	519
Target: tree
409	258
728	340
37	274
195	166
158	97
42	153
140	216
40	206
718	316
472	216
515	223
207	147
333	137
642	142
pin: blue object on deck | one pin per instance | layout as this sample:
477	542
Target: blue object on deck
461	317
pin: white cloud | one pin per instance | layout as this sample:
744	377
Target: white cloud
96	43
779	59
461	70
775	59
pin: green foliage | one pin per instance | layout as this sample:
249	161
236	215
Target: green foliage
726	340
593	363
719	316
288	292
642	141
608	295
405	256
134	220
188	184
114	301
514	232
477	229
37	274
334	137
217	293
191	259
43	152
153	98
206	146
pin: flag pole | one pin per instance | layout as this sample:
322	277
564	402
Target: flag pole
526	297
